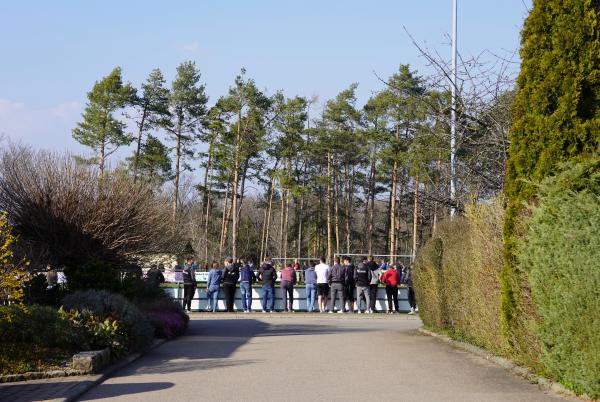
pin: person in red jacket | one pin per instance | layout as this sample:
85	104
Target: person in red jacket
391	278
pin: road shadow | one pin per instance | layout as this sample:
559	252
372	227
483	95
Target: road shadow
209	344
113	390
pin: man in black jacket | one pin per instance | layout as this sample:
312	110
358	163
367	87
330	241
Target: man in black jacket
337	281
362	276
189	284
231	274
350	285
267	276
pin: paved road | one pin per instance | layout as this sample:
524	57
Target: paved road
321	358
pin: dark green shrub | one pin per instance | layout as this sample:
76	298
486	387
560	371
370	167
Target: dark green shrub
556	118
561	254
94	274
103	304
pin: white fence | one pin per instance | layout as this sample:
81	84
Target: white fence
199	302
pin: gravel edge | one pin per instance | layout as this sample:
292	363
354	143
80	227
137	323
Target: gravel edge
543	383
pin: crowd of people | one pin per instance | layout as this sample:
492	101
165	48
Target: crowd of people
342	287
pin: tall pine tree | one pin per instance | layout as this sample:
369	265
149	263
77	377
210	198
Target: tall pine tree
100	129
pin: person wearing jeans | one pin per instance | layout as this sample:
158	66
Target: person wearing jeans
247	278
212	287
267	276
310	280
288	280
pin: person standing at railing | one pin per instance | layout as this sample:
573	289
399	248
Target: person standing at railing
231	274
288	280
337	281
362	276
391	278
374	284
212	287
247	278
408	281
322	270
189	284
310	280
267	276
350	284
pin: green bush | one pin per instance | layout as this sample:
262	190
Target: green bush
103	304
94	274
457	277
561	254
556	118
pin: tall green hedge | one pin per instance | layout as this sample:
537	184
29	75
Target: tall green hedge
457	277
561	255
556	118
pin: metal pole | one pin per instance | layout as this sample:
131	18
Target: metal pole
453	114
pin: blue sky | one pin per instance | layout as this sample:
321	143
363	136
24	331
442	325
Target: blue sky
53	51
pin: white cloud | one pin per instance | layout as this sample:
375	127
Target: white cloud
192	47
40	127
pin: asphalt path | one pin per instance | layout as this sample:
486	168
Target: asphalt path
257	357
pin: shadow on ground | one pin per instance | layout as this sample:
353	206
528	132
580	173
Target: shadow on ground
112	390
209	344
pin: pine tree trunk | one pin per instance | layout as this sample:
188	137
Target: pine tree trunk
234	203
329	208
177	167
224	219
138	148
337	212
415	218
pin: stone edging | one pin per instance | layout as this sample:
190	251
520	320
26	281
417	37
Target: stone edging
74	393
39	375
543	383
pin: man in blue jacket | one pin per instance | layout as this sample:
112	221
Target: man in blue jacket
247	278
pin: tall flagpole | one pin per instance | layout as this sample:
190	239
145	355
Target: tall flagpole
453	114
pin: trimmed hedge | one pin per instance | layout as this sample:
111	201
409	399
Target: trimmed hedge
561	255
457	277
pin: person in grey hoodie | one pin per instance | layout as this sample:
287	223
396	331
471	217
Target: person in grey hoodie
337	281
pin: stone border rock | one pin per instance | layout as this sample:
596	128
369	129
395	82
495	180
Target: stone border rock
83	363
543	383
74	393
39	375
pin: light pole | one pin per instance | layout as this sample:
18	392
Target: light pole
453	115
